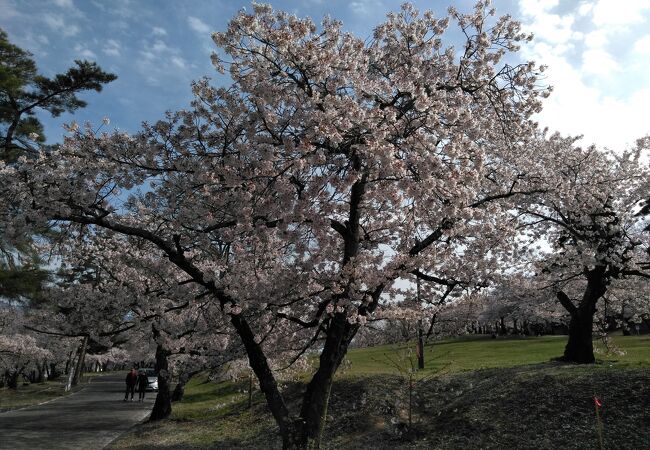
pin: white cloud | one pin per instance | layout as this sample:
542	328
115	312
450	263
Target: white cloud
121	8
619	13
84	51
160	47
9	9
585	8
155	55
198	25
576	108
159	31
642	45
363	7
592	95
178	62
596	39
534	7
112	48
54	22
547	26
58	24
599	62
64	3
553	28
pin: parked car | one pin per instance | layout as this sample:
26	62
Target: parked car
152	378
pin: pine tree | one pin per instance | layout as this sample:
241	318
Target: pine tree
23	91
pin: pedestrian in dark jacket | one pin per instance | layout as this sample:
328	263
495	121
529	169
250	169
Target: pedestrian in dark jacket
143	383
131	379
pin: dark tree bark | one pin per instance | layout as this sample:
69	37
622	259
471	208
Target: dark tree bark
162	407
420	346
69	362
42	373
433	322
420	333
250	390
80	362
316	398
626	329
179	389
12	380
580	348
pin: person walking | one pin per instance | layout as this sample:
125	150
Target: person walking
143	382
131	379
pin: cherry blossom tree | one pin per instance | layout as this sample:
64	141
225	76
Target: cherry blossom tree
331	167
520	304
628	305
149	304
18	352
587	216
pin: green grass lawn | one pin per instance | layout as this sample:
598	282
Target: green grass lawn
490	393
457	355
29	394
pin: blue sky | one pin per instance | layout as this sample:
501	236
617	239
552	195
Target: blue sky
598	53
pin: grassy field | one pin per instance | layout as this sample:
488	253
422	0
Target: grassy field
32	394
458	355
480	393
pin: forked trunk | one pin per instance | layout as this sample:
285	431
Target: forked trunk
580	348
308	430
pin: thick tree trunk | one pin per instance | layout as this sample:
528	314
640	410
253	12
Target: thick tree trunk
316	398
69	362
626	329
42	373
179	390
580	348
12	380
303	432
260	365
80	362
162	407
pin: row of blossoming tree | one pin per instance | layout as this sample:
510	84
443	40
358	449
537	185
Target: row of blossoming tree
278	213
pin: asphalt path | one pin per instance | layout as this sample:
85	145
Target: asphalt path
89	419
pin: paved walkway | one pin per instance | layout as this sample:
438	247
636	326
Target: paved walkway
88	419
